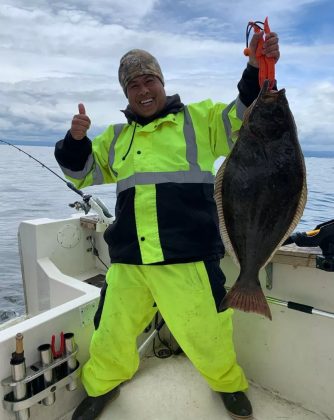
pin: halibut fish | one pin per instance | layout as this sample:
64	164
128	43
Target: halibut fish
260	192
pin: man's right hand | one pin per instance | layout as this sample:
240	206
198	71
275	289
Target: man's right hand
80	124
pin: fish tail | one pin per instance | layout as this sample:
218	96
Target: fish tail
247	300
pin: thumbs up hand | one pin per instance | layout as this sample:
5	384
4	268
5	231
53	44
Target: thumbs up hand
80	123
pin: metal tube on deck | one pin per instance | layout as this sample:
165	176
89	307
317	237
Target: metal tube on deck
72	361
47	359
18	369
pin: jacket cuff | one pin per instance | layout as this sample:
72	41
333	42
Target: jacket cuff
72	154
249	85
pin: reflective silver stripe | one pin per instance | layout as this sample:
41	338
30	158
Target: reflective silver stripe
97	175
241	108
227	124
194	175
190	137
117	131
185	177
80	174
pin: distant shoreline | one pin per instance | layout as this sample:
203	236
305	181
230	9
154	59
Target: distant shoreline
307	153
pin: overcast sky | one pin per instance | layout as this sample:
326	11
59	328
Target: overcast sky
55	54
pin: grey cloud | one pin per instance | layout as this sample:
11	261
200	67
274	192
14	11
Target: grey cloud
56	54
43	109
101	11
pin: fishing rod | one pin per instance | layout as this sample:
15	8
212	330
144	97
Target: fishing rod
301	307
69	184
105	218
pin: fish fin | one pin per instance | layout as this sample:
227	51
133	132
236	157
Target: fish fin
296	219
247	300
219	203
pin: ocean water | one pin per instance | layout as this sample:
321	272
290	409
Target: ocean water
29	191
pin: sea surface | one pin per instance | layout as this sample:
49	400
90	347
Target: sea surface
29	191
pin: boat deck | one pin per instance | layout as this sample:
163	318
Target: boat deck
171	389
292	355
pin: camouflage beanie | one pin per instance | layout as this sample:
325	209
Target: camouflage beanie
137	63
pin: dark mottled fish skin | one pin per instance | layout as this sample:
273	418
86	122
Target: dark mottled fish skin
260	191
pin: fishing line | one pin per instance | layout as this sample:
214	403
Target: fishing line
69	184
250	26
88	202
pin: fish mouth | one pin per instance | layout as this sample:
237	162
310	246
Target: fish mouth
265	87
267	94
263	95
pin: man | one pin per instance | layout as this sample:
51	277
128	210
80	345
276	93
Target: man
165	245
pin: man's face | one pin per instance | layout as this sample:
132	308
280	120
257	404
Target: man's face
146	95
